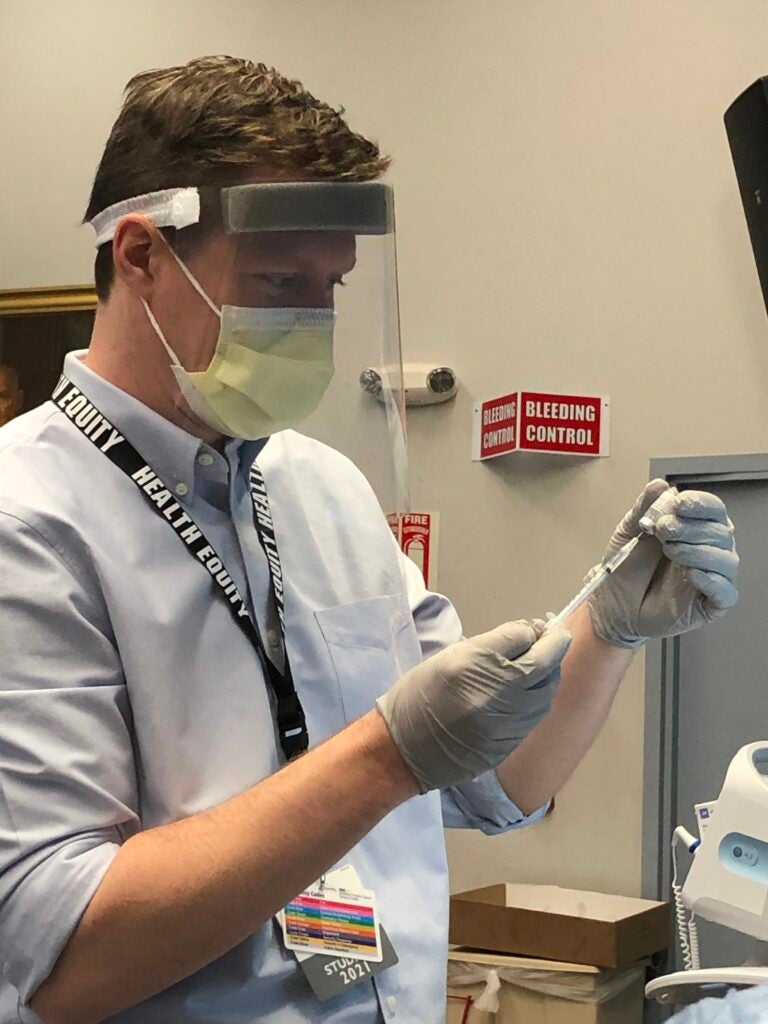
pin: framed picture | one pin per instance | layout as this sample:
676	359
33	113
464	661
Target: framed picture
38	326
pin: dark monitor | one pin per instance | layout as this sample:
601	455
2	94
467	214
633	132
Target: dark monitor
746	122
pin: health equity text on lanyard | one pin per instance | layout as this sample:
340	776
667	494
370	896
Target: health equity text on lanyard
291	723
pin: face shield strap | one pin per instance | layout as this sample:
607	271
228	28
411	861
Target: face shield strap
171	208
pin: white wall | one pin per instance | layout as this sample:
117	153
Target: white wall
568	219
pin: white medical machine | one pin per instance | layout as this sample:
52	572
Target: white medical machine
727	882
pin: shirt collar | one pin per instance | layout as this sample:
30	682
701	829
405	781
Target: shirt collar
170	450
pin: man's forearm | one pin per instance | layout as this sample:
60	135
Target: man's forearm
177	897
545	760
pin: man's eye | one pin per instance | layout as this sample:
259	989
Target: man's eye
278	280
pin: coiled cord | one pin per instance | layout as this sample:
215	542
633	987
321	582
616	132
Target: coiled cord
687	930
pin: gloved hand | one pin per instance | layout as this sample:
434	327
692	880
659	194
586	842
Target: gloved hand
741	1006
461	712
674	581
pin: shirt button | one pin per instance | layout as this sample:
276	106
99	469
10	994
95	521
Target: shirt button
181	489
206	459
392	1005
273	637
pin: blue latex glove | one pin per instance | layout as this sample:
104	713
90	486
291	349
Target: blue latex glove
747	1007
674	581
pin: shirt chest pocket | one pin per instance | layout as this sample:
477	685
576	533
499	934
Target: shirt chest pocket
371	644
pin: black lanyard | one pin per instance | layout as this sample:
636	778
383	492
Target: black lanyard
291	723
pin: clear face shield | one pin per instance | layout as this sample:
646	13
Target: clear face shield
274	299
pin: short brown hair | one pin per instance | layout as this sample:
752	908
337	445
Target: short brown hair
209	121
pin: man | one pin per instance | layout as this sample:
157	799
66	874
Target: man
150	830
11	395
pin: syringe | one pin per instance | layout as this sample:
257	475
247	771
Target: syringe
659	508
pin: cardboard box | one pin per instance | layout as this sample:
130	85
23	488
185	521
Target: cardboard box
560	924
512	990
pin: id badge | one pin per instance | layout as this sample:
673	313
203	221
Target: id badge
332	928
332	919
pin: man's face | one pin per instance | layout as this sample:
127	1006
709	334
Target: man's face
11	398
258	269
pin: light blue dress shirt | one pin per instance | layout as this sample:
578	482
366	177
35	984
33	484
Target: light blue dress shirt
129	699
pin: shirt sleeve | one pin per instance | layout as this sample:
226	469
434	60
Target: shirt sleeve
481	803
68	794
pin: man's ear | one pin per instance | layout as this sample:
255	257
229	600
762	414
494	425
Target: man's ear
136	249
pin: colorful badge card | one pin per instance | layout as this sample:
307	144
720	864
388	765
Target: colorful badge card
325	919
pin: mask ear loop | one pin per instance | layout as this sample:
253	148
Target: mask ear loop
192	279
198	288
156	327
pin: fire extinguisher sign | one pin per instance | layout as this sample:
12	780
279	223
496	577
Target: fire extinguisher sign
417	535
539	421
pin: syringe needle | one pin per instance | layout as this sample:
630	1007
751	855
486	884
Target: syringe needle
605	570
660	507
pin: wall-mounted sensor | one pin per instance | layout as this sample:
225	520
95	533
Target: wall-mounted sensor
423	383
371	382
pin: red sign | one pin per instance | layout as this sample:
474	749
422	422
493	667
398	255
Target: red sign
538	421
560	423
416	533
496	426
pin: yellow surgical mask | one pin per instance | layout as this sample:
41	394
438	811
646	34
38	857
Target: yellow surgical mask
269	371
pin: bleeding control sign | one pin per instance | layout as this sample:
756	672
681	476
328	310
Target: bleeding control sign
537	421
